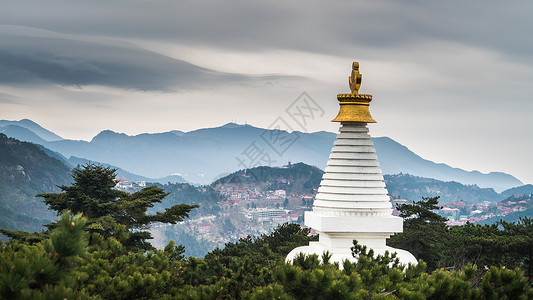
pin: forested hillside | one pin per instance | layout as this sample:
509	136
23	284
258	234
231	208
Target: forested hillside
405	186
294	179
26	170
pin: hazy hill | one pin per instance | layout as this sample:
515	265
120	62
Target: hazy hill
395	158
525	201
26	170
294	179
22	134
413	188
203	155
33	127
123	174
519	190
205	196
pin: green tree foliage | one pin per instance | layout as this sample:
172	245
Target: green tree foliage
520	237
424	231
110	211
483	245
505	244
382	277
42	271
111	272
241	266
65	266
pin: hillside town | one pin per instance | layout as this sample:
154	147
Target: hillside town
250	210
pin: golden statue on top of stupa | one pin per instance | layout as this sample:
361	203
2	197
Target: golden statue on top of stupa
354	106
355	79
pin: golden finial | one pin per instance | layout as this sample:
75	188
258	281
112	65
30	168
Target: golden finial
354	106
355	80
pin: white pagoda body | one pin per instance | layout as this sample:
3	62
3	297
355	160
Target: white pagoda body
352	201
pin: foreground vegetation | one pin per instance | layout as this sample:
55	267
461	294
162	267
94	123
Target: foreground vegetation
67	266
98	250
426	236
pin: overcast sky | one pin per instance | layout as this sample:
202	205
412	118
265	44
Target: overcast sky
451	80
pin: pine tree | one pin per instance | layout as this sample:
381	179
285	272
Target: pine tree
41	271
111	212
520	239
424	231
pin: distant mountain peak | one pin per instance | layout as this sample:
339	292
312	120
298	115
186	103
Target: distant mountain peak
28	121
34	127
108	134
177	132
21	133
233	125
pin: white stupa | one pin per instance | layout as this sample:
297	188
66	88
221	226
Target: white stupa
352	201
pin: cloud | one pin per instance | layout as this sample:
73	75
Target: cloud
71	62
313	26
7	98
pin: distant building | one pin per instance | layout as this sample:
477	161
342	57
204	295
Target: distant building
204	229
123	185
265	214
141	183
280	193
450	211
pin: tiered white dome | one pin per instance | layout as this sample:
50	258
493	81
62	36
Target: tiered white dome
353	184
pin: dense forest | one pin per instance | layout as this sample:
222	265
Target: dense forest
99	250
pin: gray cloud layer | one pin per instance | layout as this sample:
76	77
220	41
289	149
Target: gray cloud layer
328	27
25	59
367	29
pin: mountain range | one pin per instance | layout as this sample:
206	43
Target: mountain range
203	155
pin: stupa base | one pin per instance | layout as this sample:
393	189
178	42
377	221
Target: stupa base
341	254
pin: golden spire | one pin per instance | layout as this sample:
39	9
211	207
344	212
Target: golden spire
354	106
